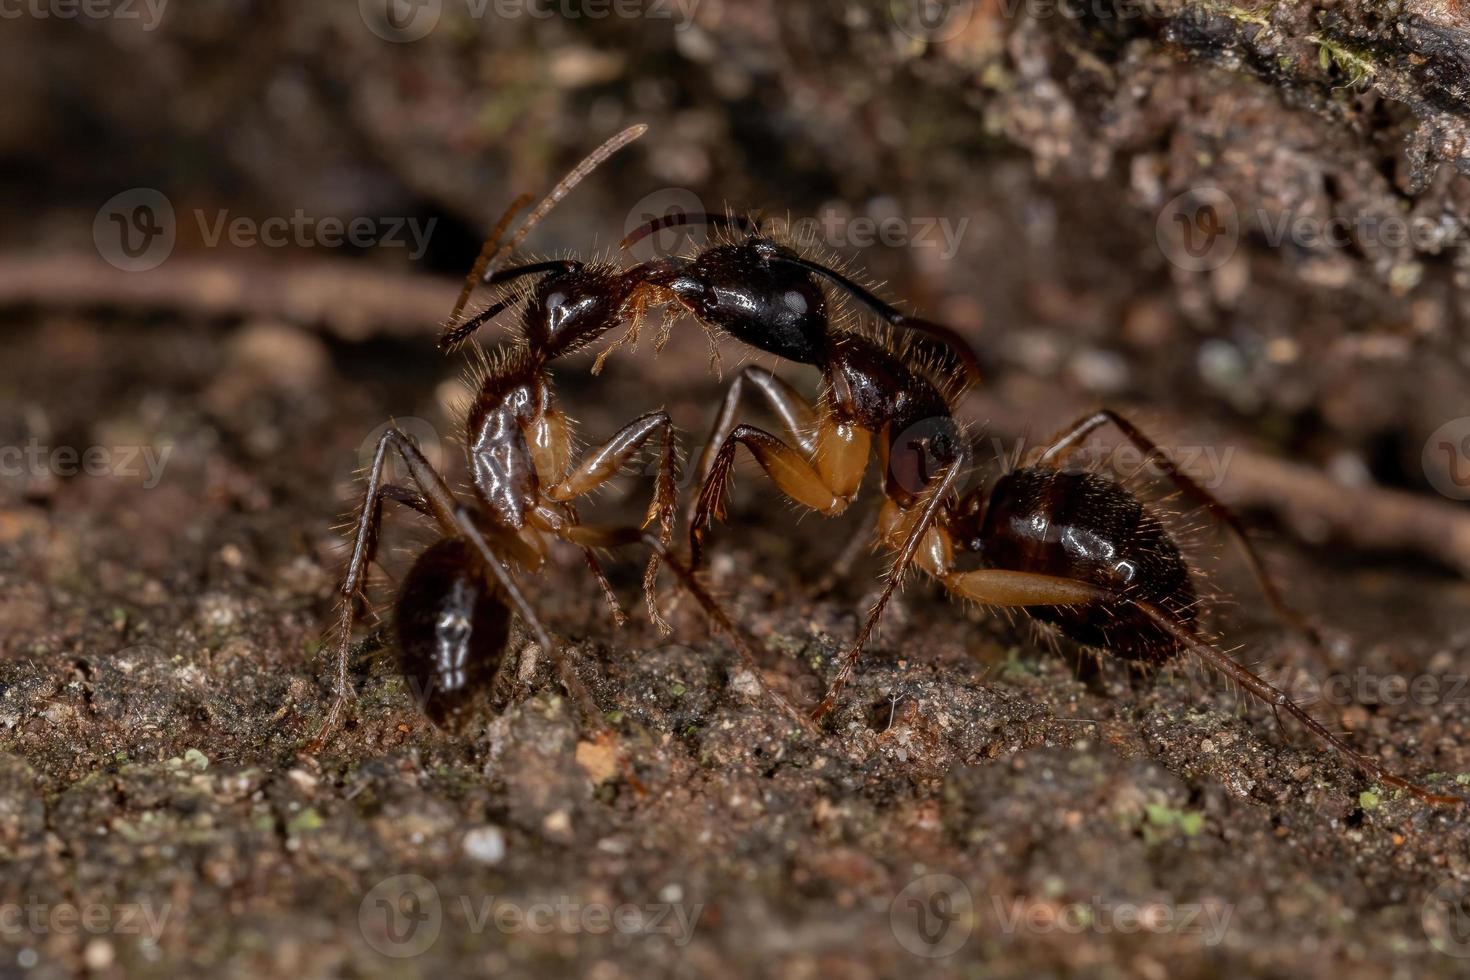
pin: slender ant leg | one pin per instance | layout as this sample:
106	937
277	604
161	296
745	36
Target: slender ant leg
1004	588
439	503
603	463
612	537
792	473
794	411
933	500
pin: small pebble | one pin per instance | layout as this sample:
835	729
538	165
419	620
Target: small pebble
485	845
746	684
558	823
98	955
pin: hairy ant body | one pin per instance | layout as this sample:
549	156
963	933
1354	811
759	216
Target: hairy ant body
1080	552
1075	551
453	609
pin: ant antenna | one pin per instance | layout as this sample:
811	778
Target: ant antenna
483	259
491	255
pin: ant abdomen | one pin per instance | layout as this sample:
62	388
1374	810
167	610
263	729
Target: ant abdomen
1087	528
452	632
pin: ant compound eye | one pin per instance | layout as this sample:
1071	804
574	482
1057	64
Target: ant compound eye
795	302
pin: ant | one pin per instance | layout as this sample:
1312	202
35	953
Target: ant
454	607
1076	551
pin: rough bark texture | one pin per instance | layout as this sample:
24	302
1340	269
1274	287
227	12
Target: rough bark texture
161	658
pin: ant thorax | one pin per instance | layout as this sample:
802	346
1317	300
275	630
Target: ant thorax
507	469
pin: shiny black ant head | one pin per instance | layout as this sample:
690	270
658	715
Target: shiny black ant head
452	632
573	307
753	292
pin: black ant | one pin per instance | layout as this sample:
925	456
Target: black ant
454	607
1073	550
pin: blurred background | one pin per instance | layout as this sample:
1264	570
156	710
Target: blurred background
230	229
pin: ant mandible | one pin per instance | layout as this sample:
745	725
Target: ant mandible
454	607
1076	551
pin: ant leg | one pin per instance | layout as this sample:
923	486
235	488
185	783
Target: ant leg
841	566
603	463
954	344
1276	698
1073	435
592	714
432	498
613	537
999	587
795	412
826	486
595	567
928	510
